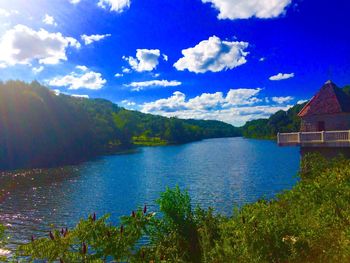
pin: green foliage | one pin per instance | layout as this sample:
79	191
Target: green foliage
2	231
281	121
93	240
176	237
310	223
39	128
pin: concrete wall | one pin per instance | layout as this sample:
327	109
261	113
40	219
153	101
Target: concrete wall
336	122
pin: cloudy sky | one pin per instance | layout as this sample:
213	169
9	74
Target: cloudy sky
231	60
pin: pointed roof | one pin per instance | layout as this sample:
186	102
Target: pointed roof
329	100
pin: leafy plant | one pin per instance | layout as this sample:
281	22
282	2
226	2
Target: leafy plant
93	240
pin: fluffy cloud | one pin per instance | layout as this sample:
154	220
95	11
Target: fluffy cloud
137	86
126	70
86	79
302	101
281	100
281	76
23	45
236	107
93	38
146	60
242	9
37	70
82	67
128	103
7	13
213	55
80	96
74	1
49	20
118	75
114	5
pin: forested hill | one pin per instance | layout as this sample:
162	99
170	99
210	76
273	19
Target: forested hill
39	128
281	121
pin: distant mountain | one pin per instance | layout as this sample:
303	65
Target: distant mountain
281	121
39	128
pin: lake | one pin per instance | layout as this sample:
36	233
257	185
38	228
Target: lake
219	173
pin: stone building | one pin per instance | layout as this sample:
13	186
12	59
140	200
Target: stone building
328	110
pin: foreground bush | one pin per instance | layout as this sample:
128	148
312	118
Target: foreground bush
310	223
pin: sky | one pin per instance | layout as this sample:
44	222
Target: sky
228	60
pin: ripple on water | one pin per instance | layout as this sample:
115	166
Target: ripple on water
219	173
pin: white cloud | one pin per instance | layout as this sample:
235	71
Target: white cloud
137	86
49	20
82	67
281	76
242	97
126	70
281	100
146	60
165	57
57	92
213	55
80	96
114	5
74	1
93	38
302	101
236	107
243	9
262	59
86	80
23	45
128	103
37	70
118	75
7	13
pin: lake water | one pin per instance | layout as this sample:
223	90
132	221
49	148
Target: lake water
217	173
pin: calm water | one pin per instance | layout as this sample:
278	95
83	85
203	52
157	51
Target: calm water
217	173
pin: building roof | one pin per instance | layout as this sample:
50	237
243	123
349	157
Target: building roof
329	100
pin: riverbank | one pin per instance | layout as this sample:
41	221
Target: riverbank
217	172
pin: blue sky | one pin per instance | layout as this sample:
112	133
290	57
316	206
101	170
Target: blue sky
209	59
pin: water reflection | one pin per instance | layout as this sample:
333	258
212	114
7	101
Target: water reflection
217	173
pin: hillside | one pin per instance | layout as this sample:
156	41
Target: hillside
39	128
281	121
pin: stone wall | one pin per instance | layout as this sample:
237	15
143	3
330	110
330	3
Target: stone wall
336	122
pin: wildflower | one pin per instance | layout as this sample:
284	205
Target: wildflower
84	249
32	238
133	214
51	236
94	217
65	232
145	209
290	239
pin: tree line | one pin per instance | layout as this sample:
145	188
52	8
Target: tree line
39	128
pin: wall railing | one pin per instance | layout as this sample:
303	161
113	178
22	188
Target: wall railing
313	137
